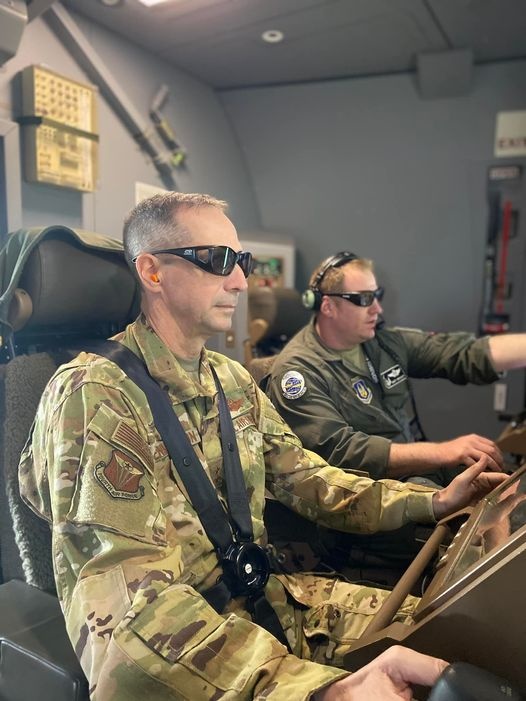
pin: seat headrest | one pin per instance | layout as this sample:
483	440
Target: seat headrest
69	285
280	308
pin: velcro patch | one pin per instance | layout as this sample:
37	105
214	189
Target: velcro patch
121	476
362	391
393	376
293	385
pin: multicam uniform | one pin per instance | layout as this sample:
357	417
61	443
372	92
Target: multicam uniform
349	412
131	556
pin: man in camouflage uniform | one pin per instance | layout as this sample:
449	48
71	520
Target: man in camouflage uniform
131	558
342	383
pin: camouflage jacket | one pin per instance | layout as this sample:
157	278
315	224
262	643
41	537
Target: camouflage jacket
350	415
130	555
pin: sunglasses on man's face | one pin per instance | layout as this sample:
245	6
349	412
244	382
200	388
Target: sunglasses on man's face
360	299
218	260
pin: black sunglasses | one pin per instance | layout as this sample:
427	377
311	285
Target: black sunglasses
360	299
218	260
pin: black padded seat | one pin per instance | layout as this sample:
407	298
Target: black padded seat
63	293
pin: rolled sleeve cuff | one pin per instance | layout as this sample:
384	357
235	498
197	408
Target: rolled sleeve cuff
376	458
420	505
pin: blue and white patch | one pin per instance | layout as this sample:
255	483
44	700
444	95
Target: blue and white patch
393	376
362	391
293	385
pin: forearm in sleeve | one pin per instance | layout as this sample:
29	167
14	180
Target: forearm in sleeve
303	481
167	642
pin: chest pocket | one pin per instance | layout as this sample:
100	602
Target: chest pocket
115	486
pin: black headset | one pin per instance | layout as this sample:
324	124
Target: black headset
312	296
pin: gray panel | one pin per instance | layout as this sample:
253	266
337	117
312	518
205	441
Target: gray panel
221	43
385	43
445	74
44	205
215	161
219	40
10	192
495	29
13	19
368	165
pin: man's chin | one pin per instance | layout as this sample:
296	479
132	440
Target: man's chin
222	323
369	335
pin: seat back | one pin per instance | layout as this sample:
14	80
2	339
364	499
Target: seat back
25	538
275	315
67	294
60	291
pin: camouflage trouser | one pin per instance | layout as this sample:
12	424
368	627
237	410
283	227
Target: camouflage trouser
322	616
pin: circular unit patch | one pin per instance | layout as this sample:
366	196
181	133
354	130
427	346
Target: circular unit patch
293	385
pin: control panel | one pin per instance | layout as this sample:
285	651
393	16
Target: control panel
60	138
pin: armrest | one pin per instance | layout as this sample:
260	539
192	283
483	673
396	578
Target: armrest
36	657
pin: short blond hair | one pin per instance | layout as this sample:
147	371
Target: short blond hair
332	280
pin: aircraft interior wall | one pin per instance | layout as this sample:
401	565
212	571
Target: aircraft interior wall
371	165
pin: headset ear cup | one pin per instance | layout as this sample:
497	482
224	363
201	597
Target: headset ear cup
311	299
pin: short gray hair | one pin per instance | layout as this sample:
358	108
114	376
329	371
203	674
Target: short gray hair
153	224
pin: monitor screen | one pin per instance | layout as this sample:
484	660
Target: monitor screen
490	526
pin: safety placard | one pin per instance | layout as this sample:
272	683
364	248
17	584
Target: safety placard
510	134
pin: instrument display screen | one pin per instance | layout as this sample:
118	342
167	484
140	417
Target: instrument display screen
490	527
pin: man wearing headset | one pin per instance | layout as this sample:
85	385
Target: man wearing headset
342	383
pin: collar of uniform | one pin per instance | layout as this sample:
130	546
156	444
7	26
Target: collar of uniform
353	358
163	365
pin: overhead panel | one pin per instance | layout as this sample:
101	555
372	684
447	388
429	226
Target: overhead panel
350	39
494	29
13	19
219	41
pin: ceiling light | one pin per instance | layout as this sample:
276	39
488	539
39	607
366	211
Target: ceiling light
273	36
110	3
151	3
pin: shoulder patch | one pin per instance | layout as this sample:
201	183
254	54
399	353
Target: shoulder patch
362	391
121	476
293	385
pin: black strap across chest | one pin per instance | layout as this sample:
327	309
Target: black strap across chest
230	532
222	528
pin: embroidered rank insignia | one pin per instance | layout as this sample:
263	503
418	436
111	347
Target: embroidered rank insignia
363	392
393	376
293	385
121	476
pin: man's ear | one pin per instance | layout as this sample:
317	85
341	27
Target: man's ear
147	267
326	306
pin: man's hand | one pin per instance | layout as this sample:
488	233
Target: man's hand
466	450
388	677
423	457
466	489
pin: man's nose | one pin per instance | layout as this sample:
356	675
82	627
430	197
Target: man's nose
236	280
376	307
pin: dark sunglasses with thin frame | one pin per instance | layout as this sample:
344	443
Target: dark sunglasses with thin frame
360	299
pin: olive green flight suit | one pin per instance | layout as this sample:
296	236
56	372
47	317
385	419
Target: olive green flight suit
349	413
131	557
